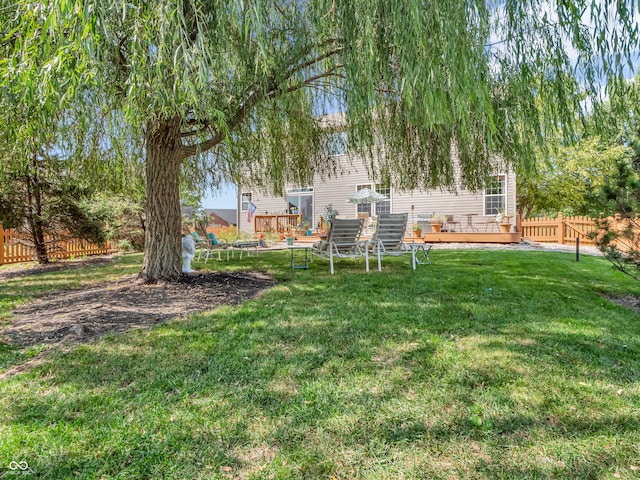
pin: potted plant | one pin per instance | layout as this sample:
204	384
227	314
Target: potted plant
417	230
289	237
436	223
329	213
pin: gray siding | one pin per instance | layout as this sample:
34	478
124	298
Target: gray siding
337	191
263	202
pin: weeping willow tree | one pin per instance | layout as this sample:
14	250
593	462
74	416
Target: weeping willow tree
230	88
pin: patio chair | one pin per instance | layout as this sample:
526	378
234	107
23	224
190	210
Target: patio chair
343	240
388	239
494	223
213	244
199	244
204	246
452	225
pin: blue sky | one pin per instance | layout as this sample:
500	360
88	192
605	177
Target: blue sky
225	197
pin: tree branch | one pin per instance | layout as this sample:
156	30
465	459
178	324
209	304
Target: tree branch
192	133
271	91
306	82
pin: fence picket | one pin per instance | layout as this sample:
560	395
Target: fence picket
563	230
14	249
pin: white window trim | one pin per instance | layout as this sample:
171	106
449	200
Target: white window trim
372	186
503	195
296	191
390	199
360	186
346	147
242	194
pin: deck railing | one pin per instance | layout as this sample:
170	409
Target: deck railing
276	223
16	248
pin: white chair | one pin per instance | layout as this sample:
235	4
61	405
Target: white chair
343	240
388	238
371	224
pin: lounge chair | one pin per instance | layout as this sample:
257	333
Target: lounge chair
388	239
199	244
213	244
208	245
343	240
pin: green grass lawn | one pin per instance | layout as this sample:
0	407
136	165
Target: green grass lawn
486	364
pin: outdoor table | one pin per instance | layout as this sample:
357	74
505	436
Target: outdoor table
301	266
420	254
244	246
470	221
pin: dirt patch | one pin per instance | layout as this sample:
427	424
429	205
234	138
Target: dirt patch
84	314
629	301
26	269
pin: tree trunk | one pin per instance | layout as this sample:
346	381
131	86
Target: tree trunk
39	242
34	211
162	249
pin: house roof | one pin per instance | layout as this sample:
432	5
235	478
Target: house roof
230	215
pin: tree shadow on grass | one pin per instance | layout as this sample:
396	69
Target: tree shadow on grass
370	378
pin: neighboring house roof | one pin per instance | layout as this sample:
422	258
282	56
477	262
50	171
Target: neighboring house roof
229	215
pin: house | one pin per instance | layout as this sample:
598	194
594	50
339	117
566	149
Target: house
473	211
222	217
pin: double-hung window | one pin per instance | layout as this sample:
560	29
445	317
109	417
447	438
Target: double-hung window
245	200
495	195
337	144
374	208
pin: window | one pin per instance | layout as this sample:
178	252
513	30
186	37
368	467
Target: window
337	143
363	208
385	205
495	195
245	200
375	208
300	201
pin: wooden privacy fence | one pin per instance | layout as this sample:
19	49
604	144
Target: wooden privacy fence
16	248
562	230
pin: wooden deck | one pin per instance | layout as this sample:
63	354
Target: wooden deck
444	237
472	237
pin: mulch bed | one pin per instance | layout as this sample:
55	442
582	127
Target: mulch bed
84	314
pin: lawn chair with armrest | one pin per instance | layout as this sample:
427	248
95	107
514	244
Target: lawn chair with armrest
213	244
388	239
343	240
199	244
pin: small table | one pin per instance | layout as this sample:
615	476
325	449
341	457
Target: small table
301	266
242	246
470	221
420	254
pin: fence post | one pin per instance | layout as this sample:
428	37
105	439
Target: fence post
1	245
560	229
518	223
